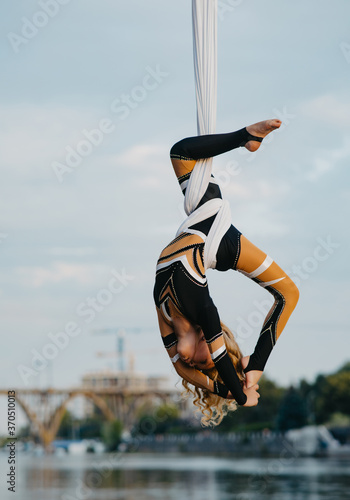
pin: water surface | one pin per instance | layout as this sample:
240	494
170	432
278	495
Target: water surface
176	477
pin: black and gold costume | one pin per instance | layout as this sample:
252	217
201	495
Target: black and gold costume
181	283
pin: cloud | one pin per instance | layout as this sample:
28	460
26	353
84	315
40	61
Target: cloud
33	136
142	156
58	272
120	207
258	189
69	251
328	109
329	161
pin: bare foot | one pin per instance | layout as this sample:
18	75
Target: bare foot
253	376
261	129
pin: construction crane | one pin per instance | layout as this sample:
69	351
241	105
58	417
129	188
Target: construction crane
120	352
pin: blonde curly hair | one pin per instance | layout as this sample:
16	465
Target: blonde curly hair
213	407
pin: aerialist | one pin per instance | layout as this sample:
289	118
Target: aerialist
202	349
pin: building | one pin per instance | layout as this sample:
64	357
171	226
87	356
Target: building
125	381
125	392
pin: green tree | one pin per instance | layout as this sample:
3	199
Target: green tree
65	430
24	432
91	427
112	433
332	394
158	419
292	412
345	368
258	417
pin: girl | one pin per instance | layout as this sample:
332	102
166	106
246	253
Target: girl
202	349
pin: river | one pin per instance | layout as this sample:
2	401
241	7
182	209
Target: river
139	476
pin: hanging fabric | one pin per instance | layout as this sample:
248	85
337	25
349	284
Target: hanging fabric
204	27
204	23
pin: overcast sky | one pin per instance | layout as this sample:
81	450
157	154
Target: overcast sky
93	96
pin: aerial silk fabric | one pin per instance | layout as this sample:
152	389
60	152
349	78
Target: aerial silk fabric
204	21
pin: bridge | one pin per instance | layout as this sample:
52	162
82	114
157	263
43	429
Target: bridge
45	408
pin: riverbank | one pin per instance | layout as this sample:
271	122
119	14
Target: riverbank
307	441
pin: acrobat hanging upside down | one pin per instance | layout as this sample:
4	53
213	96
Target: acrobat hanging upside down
202	349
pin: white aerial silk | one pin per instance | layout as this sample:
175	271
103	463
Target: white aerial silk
204	18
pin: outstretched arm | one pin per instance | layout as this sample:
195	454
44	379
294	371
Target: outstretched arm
259	267
200	310
209	321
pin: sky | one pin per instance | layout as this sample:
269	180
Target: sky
93	95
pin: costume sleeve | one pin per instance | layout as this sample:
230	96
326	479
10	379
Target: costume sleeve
203	312
210	323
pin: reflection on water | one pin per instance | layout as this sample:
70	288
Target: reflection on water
170	477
